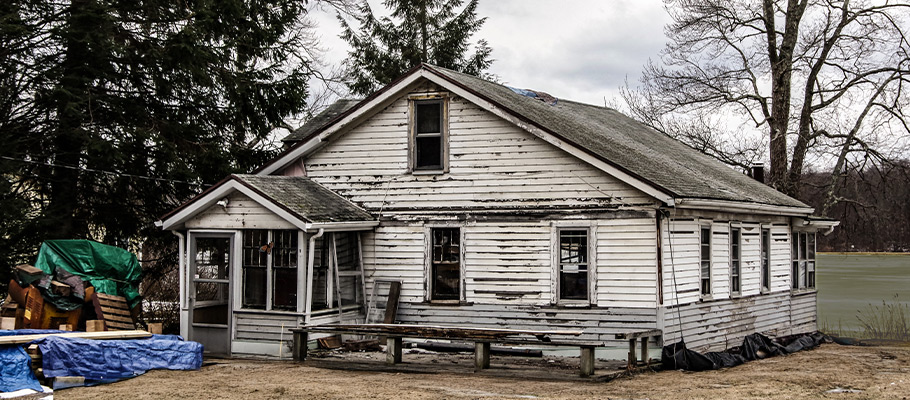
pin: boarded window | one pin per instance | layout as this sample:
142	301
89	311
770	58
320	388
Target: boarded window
705	260
573	264
429	138
765	260
735	260
446	264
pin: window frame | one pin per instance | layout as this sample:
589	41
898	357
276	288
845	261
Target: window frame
705	291
736	263
803	266
556	268
429	98
270	271
764	257
429	264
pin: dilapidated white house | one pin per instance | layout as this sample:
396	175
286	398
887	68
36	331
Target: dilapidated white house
494	207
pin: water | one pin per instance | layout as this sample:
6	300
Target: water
849	283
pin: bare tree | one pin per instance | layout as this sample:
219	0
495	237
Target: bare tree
819	81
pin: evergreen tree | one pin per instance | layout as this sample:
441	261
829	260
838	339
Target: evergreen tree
431	31
112	112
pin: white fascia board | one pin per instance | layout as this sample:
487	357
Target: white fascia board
345	226
547	137
220	192
742	207
370	106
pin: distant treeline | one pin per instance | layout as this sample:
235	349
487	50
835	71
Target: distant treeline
873	207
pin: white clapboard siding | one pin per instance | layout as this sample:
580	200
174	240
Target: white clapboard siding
396	253
264	327
681	257
720	260
507	263
780	257
492	164
720	324
751	259
241	213
627	262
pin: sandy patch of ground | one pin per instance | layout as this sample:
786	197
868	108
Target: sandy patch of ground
870	372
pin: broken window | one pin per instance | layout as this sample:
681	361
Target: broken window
269	260
573	264
735	260
765	260
803	271
337	271
446	264
705	271
428	152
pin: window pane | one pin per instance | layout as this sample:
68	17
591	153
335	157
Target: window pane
573	247
285	288
794	275
446	279
320	288
254	287
811	246
428	117
573	285
765	259
350	290
429	152
212	258
348	251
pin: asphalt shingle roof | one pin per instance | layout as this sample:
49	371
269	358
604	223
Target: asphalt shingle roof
323	118
306	198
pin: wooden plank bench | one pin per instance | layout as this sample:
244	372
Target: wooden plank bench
482	338
632	337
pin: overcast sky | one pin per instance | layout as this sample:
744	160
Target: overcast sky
580	50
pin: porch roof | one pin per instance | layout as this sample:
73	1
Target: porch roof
297	199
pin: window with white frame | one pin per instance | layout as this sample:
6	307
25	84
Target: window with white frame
735	260
705	259
765	260
269	260
336	271
803	268
428	135
445	264
573	282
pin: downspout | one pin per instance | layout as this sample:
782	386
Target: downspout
311	259
181	267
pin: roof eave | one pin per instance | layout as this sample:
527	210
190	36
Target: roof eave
742	207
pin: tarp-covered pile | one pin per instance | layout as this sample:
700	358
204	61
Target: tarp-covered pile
755	347
97	361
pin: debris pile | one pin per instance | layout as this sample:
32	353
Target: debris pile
755	347
70	320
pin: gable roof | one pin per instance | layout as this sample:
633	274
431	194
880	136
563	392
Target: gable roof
299	200
632	148
323	118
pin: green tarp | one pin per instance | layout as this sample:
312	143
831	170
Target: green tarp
111	270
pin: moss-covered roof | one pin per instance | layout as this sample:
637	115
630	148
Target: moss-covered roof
307	199
323	118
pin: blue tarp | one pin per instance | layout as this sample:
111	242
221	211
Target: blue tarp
15	370
15	373
108	360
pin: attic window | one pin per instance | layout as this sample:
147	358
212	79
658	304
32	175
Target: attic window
428	135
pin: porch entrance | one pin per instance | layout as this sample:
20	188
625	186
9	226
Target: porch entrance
210	292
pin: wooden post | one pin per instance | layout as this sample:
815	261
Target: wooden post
632	353
393	350
156	328
587	361
65	327
8	323
299	348
95	325
644	350
481	355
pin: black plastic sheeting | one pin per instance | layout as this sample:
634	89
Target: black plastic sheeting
755	347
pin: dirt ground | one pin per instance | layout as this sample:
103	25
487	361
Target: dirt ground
852	372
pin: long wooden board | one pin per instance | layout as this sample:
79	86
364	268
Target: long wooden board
440	331
22	339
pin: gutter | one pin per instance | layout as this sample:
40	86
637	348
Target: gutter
738	206
311	259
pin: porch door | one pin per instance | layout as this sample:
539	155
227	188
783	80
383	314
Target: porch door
210	293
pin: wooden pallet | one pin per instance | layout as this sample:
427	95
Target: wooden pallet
114	311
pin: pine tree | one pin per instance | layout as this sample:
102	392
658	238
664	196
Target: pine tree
431	31
112	112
